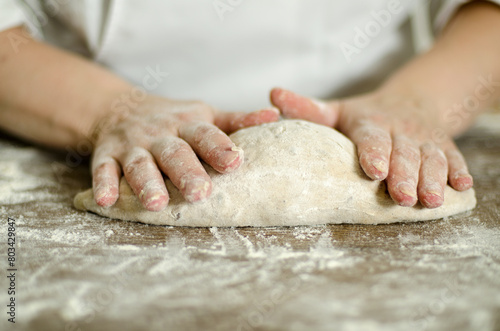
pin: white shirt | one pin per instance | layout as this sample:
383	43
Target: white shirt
230	53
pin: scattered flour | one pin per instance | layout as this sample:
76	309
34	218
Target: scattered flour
20	181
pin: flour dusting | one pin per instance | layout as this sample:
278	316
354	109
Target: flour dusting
19	181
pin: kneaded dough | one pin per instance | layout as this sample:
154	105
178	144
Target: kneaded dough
295	173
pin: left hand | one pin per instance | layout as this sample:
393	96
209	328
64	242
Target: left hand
394	138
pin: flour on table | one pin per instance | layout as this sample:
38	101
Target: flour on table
295	173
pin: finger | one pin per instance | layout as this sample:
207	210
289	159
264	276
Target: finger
145	179
178	161
403	171
433	176
212	145
374	149
105	179
230	122
293	105
458	174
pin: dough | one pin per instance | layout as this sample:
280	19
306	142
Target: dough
295	173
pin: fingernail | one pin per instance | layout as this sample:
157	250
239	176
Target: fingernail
375	167
283	94
407	190
105	195
101	194
104	198
381	166
409	195
231	160
432	199
265	115
463	181
462	175
272	109
436	193
155	200
197	189
153	196
318	103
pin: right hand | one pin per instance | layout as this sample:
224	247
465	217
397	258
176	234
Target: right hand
393	133
163	135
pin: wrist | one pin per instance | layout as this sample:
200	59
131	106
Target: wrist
111	106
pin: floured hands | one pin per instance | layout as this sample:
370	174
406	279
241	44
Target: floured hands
394	139
162	135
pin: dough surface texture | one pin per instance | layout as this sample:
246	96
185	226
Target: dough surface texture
295	173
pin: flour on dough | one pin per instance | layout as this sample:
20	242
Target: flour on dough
295	173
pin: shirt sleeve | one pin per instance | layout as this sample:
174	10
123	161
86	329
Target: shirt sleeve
11	14
448	9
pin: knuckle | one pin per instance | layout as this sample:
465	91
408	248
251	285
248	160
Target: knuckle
408	152
441	161
135	163
432	152
406	147
104	151
202	131
428	147
100	168
173	149
455	156
198	107
440	158
184	117
197	132
369	131
103	163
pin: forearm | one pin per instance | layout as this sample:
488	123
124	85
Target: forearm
461	73
50	96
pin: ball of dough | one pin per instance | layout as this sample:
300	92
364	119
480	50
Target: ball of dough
295	173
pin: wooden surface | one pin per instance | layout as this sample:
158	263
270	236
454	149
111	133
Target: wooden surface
79	271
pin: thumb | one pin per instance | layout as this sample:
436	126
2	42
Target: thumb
232	121
296	106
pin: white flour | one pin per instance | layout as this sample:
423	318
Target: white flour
19	180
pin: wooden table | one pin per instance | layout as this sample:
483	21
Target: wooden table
79	271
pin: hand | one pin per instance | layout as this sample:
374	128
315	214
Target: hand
161	135
394	139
